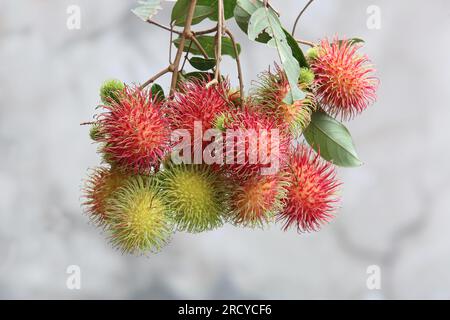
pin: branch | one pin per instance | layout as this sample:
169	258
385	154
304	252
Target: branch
187	30
300	14
218	50
238	63
308	43
198	45
156	76
164	27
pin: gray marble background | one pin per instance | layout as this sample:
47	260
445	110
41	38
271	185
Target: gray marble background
395	210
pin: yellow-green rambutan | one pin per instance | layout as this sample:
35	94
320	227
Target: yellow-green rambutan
138	218
270	96
98	190
196	195
257	200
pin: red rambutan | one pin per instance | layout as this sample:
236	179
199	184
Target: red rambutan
254	143
311	197
344	81
196	102
257	200
98	190
134	130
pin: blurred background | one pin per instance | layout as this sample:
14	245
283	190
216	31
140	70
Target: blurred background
395	209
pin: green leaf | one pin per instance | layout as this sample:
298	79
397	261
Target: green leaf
228	8
264	19
179	12
202	64
208	43
242	13
332	139
296	51
147	9
158	91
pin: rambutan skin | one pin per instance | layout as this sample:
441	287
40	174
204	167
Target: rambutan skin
134	130
98	191
270	96
196	102
259	143
139	221
196	195
312	193
257	200
344	81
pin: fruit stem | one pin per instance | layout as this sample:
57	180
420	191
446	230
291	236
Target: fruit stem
187	31
238	63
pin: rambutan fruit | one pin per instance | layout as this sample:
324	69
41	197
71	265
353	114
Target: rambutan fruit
196	102
254	143
196	196
138	219
110	91
134	130
311	195
256	201
270	98
98	191
344	81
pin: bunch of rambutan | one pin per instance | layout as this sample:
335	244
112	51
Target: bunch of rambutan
241	161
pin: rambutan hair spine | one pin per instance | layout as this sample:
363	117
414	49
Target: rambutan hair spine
197	196
312	196
344	80
134	131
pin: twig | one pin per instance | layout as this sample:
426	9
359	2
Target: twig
238	63
187	30
186	55
170	29
156	76
308	43
268	5
300	14
198	45
218	50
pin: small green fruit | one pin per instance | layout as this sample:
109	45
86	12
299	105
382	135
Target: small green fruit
110	90
306	76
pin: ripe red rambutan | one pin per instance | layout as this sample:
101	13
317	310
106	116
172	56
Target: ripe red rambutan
254	143
311	198
195	102
98	190
344	81
256	200
135	133
271	92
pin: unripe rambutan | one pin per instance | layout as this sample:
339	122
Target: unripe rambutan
270	97
311	196
196	196
344	81
98	191
138	218
135	132
111	90
254	142
256	200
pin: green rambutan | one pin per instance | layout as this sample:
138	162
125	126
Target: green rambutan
257	200
196	196
138	219
99	189
110	90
